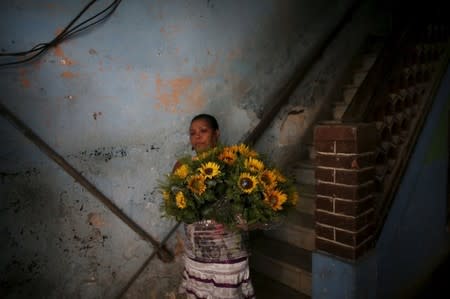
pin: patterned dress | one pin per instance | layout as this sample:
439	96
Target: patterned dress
216	263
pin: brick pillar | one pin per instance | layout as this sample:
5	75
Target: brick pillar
345	172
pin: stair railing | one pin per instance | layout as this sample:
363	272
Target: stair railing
397	95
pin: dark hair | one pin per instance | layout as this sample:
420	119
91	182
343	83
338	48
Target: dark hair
211	120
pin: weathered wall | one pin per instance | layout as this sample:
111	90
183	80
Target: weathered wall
116	101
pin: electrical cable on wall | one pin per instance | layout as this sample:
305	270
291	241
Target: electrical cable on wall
69	31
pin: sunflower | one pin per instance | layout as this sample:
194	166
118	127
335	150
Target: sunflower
268	179
207	153
209	170
279	177
254	165
244	150
182	171
275	199
166	196
228	156
294	197
247	183
196	184
181	200
232	148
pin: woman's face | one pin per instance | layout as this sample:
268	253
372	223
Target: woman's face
202	136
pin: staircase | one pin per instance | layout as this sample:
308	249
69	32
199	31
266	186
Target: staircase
281	259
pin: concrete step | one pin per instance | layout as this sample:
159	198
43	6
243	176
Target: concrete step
307	202
297	230
367	60
348	92
268	288
287	264
339	109
304	172
308	151
358	77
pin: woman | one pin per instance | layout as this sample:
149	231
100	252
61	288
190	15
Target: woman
216	260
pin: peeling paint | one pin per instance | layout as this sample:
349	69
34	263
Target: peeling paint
95	115
179	94
143	76
63	59
106	153
69	75
170	30
96	220
235	53
24	81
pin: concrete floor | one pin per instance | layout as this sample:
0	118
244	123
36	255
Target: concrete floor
438	285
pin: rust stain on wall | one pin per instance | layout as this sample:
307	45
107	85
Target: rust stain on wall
235	54
37	64
63	59
170	30
24	81
208	70
69	75
96	220
58	31
143	77
178	94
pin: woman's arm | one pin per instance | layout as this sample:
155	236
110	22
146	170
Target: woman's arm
177	164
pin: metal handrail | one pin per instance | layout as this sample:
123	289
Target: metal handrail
362	106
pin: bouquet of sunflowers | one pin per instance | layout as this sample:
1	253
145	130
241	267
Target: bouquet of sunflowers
233	185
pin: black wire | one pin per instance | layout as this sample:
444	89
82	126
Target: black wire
114	6
65	34
43	45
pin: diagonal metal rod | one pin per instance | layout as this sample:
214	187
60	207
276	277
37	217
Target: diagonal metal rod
147	261
163	253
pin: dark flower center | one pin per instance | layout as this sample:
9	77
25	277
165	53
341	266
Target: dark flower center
246	183
265	179
273	200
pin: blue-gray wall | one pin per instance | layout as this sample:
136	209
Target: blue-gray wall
116	102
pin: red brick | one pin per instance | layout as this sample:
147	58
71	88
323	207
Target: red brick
335	132
324	146
361	146
336	249
325	174
343	251
354	177
339	131
347	147
353	138
346	161
344	192
353	208
354	239
324	203
343	222
324	231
